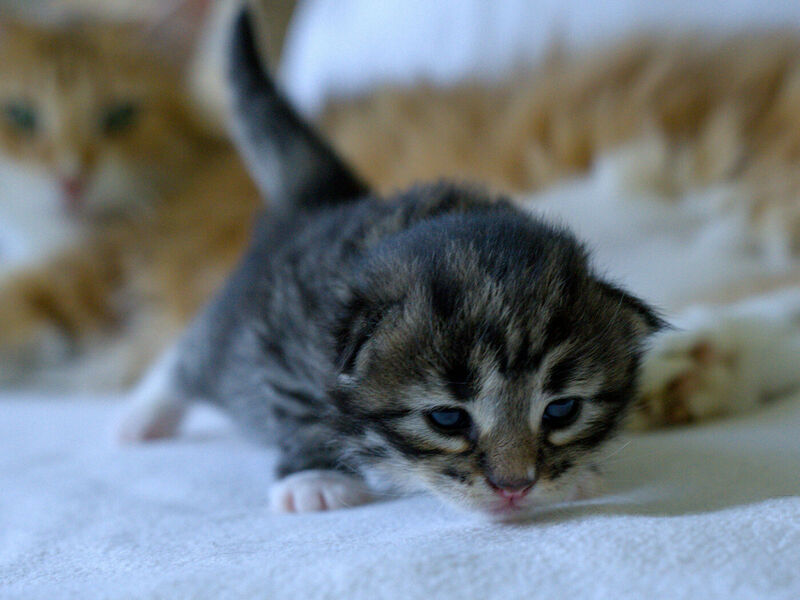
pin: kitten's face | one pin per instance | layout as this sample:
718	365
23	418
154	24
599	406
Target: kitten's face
91	115
494	389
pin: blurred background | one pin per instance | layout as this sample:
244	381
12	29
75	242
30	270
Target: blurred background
123	205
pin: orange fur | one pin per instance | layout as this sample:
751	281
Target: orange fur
730	107
70	79
142	268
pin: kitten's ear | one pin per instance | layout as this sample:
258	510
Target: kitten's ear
647	317
354	329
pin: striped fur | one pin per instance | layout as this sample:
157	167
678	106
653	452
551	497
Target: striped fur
352	318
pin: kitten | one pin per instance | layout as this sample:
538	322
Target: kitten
105	249
439	339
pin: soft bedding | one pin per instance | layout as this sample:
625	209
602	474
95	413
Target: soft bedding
702	512
709	511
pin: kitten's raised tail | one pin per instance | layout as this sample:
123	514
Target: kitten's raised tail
291	165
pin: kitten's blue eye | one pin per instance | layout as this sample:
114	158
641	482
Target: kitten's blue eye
561	413
21	115
119	117
450	419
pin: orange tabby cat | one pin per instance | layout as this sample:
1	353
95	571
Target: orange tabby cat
119	211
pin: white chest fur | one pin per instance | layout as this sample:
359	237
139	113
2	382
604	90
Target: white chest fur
33	225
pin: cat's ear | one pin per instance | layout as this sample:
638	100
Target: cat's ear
356	326
178	28
647	318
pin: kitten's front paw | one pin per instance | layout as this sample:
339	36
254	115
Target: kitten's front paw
690	376
309	491
145	421
155	410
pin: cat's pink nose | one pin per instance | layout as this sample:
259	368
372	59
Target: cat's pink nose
72	191
511	490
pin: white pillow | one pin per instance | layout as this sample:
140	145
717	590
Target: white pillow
346	47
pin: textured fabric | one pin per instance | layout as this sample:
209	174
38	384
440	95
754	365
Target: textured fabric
703	512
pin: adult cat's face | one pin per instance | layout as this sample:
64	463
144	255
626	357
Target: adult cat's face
90	119
490	372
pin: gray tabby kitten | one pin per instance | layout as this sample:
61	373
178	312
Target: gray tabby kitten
440	339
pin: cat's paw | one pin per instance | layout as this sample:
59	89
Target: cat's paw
309	491
723	360
691	376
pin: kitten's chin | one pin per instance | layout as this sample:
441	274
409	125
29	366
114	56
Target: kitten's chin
511	514
497	510
492	509
495	513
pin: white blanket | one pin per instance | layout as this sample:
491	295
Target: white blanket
703	512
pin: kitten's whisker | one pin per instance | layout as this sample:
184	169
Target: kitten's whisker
616	451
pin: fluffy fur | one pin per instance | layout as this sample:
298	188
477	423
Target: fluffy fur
710	194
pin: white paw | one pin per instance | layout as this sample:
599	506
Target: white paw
309	491
154	411
150	421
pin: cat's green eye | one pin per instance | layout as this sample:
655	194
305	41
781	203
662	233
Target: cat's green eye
119	117
21	115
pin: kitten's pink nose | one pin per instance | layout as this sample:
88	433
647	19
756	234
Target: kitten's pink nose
511	490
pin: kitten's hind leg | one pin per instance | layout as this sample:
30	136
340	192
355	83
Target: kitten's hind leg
721	360
156	407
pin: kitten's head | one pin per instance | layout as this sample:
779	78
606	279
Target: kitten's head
482	359
93	114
